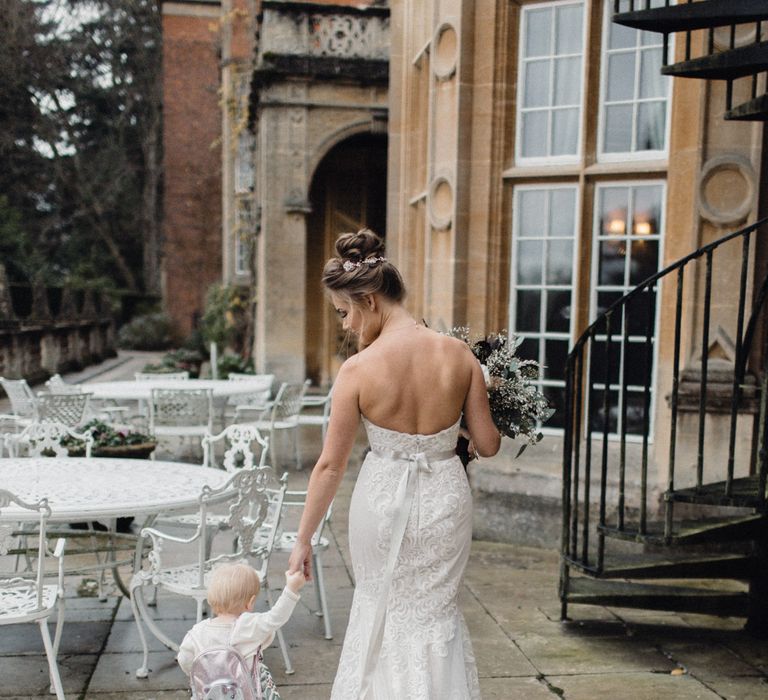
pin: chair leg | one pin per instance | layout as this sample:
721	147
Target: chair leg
136	593
280	637
297	447
320	586
53	668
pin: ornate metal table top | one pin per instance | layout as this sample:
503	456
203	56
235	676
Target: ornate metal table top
83	489
141	390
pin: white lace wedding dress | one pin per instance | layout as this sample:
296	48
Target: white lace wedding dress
410	528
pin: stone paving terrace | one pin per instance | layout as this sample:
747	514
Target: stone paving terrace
510	601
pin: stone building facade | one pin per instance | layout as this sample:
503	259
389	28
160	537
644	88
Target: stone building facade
192	158
541	166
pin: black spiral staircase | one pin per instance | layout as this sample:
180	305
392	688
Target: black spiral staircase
711	521
725	58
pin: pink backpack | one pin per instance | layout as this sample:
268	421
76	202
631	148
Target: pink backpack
221	673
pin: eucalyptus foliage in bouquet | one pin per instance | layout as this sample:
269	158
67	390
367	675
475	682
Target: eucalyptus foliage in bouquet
517	406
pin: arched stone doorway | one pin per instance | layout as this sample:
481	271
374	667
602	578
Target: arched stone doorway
348	192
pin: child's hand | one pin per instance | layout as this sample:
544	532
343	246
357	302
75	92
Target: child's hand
294	581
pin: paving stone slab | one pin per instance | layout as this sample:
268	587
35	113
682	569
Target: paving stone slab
28	675
555	655
124	636
305	692
313	664
710	661
517	688
118	672
637	686
755	688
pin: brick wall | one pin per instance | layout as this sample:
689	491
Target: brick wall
192	159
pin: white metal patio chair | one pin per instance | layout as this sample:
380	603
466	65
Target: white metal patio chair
181	413
239	441
70	408
250	510
24	600
314	419
287	539
23	402
43	438
257	399
94	409
283	414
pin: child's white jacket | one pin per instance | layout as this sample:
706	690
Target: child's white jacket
248	632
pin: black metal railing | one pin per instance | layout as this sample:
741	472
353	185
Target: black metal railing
611	392
695	24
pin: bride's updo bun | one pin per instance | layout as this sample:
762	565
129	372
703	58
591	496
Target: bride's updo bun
361	268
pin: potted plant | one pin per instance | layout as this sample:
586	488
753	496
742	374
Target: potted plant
109	442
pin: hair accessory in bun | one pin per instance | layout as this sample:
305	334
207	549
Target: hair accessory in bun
348	265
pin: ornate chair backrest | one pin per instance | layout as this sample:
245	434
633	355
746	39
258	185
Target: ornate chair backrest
239	439
160	376
69	409
22	398
56	385
181	407
7	541
288	401
262	384
254	509
43	439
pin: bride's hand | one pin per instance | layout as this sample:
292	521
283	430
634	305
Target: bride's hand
301	559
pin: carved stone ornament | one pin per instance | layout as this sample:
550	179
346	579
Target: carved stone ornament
441	202
727	189
445	51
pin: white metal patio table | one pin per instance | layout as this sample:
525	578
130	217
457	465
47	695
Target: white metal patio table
96	488
141	390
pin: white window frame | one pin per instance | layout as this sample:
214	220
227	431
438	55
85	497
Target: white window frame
596	239
513	287
521	60
244	183
623	156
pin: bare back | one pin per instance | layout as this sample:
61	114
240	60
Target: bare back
413	380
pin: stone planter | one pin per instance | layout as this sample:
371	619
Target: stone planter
141	450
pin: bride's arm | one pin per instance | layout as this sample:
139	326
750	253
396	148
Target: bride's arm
477	413
330	467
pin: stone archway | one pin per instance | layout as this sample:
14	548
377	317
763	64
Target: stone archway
348	192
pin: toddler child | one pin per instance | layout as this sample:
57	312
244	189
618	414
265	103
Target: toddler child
231	594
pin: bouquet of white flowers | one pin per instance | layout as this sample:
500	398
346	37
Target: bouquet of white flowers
517	406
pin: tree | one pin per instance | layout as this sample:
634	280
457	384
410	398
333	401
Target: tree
81	119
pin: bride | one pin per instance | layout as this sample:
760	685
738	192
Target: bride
410	518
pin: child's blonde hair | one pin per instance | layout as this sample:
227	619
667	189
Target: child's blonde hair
231	587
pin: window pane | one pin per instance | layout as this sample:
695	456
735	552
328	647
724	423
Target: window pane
565	131
621	77
559	262
535	134
554	359
613	210
618	129
536	84
635	412
598	412
620	37
644	261
533	205
597	363
556	397
635	366
568	31
558	311
529	349
562	212
652	82
650	126
530	255
639	316
528	311
567	83
646	202
611	264
538	32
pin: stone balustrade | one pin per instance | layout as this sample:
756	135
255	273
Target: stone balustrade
48	330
